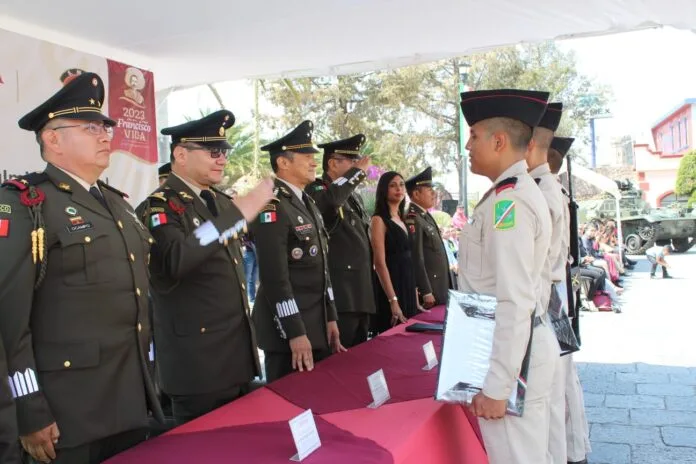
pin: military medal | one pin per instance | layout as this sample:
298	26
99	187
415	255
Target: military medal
313	250
300	220
71	211
196	222
297	253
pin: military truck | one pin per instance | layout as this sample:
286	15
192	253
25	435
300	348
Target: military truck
641	226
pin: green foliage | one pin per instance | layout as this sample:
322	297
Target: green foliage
411	115
686	177
442	219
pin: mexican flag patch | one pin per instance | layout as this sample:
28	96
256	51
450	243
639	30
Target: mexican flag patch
268	217
504	215
158	220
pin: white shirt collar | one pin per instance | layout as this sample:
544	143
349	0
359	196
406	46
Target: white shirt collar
296	190
193	188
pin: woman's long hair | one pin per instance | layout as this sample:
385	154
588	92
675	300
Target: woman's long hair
381	203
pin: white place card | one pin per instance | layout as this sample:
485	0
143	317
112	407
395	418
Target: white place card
430	356
378	388
304	434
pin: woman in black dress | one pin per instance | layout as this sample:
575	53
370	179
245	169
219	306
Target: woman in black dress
396	296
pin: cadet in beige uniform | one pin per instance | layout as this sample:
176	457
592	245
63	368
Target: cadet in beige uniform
502	248
555	272
577	432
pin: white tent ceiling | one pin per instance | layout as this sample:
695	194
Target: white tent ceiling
187	43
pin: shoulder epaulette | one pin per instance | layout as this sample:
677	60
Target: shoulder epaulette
24	182
505	184
109	187
220	192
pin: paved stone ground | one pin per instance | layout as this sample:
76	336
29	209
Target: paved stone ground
638	370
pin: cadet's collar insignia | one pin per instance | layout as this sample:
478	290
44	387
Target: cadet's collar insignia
504	215
64	187
185	196
505	184
300	219
196	222
159	196
71	211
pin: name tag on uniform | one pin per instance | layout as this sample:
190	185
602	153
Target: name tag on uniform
79	227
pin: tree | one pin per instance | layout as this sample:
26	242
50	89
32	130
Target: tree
686	177
411	115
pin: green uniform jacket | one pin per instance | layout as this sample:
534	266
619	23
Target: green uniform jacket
350	253
77	347
429	254
204	337
295	296
9	444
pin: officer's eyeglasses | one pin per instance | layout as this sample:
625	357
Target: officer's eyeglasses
214	153
93	128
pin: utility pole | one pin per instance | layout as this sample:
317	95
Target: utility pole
463	75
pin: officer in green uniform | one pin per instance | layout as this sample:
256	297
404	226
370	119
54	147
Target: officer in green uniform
206	347
73	285
427	247
163	172
9	441
350	253
294	313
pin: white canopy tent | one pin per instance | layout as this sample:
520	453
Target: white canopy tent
208	41
606	185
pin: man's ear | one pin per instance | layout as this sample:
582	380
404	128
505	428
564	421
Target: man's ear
179	154
50	139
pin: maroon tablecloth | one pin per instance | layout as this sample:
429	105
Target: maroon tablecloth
266	443
339	383
436	314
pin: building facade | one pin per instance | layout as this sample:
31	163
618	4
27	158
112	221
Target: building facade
657	164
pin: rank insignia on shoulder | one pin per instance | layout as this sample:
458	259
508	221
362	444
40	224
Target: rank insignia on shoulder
156	209
504	215
267	217
505	184
269	207
158	196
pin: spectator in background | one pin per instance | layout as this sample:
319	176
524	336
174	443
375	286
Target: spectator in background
656	257
396	296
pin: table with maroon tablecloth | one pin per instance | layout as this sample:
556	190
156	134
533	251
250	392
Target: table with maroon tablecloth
410	428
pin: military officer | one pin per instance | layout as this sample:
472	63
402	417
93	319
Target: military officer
295	312
427	247
576	429
554	273
73	285
163	172
206	347
502	248
343	211
9	440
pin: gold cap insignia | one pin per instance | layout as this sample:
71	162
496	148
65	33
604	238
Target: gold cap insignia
222	131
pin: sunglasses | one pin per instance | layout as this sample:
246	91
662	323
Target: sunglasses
214	153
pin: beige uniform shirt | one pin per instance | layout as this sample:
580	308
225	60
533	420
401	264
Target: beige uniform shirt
501	251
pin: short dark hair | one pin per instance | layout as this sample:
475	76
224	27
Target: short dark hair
555	160
39	138
274	159
519	133
543	137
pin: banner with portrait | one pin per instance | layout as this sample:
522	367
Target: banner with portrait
32	70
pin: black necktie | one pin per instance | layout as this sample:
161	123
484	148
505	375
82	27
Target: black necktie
94	191
210	202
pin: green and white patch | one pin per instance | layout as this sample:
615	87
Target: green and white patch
504	215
